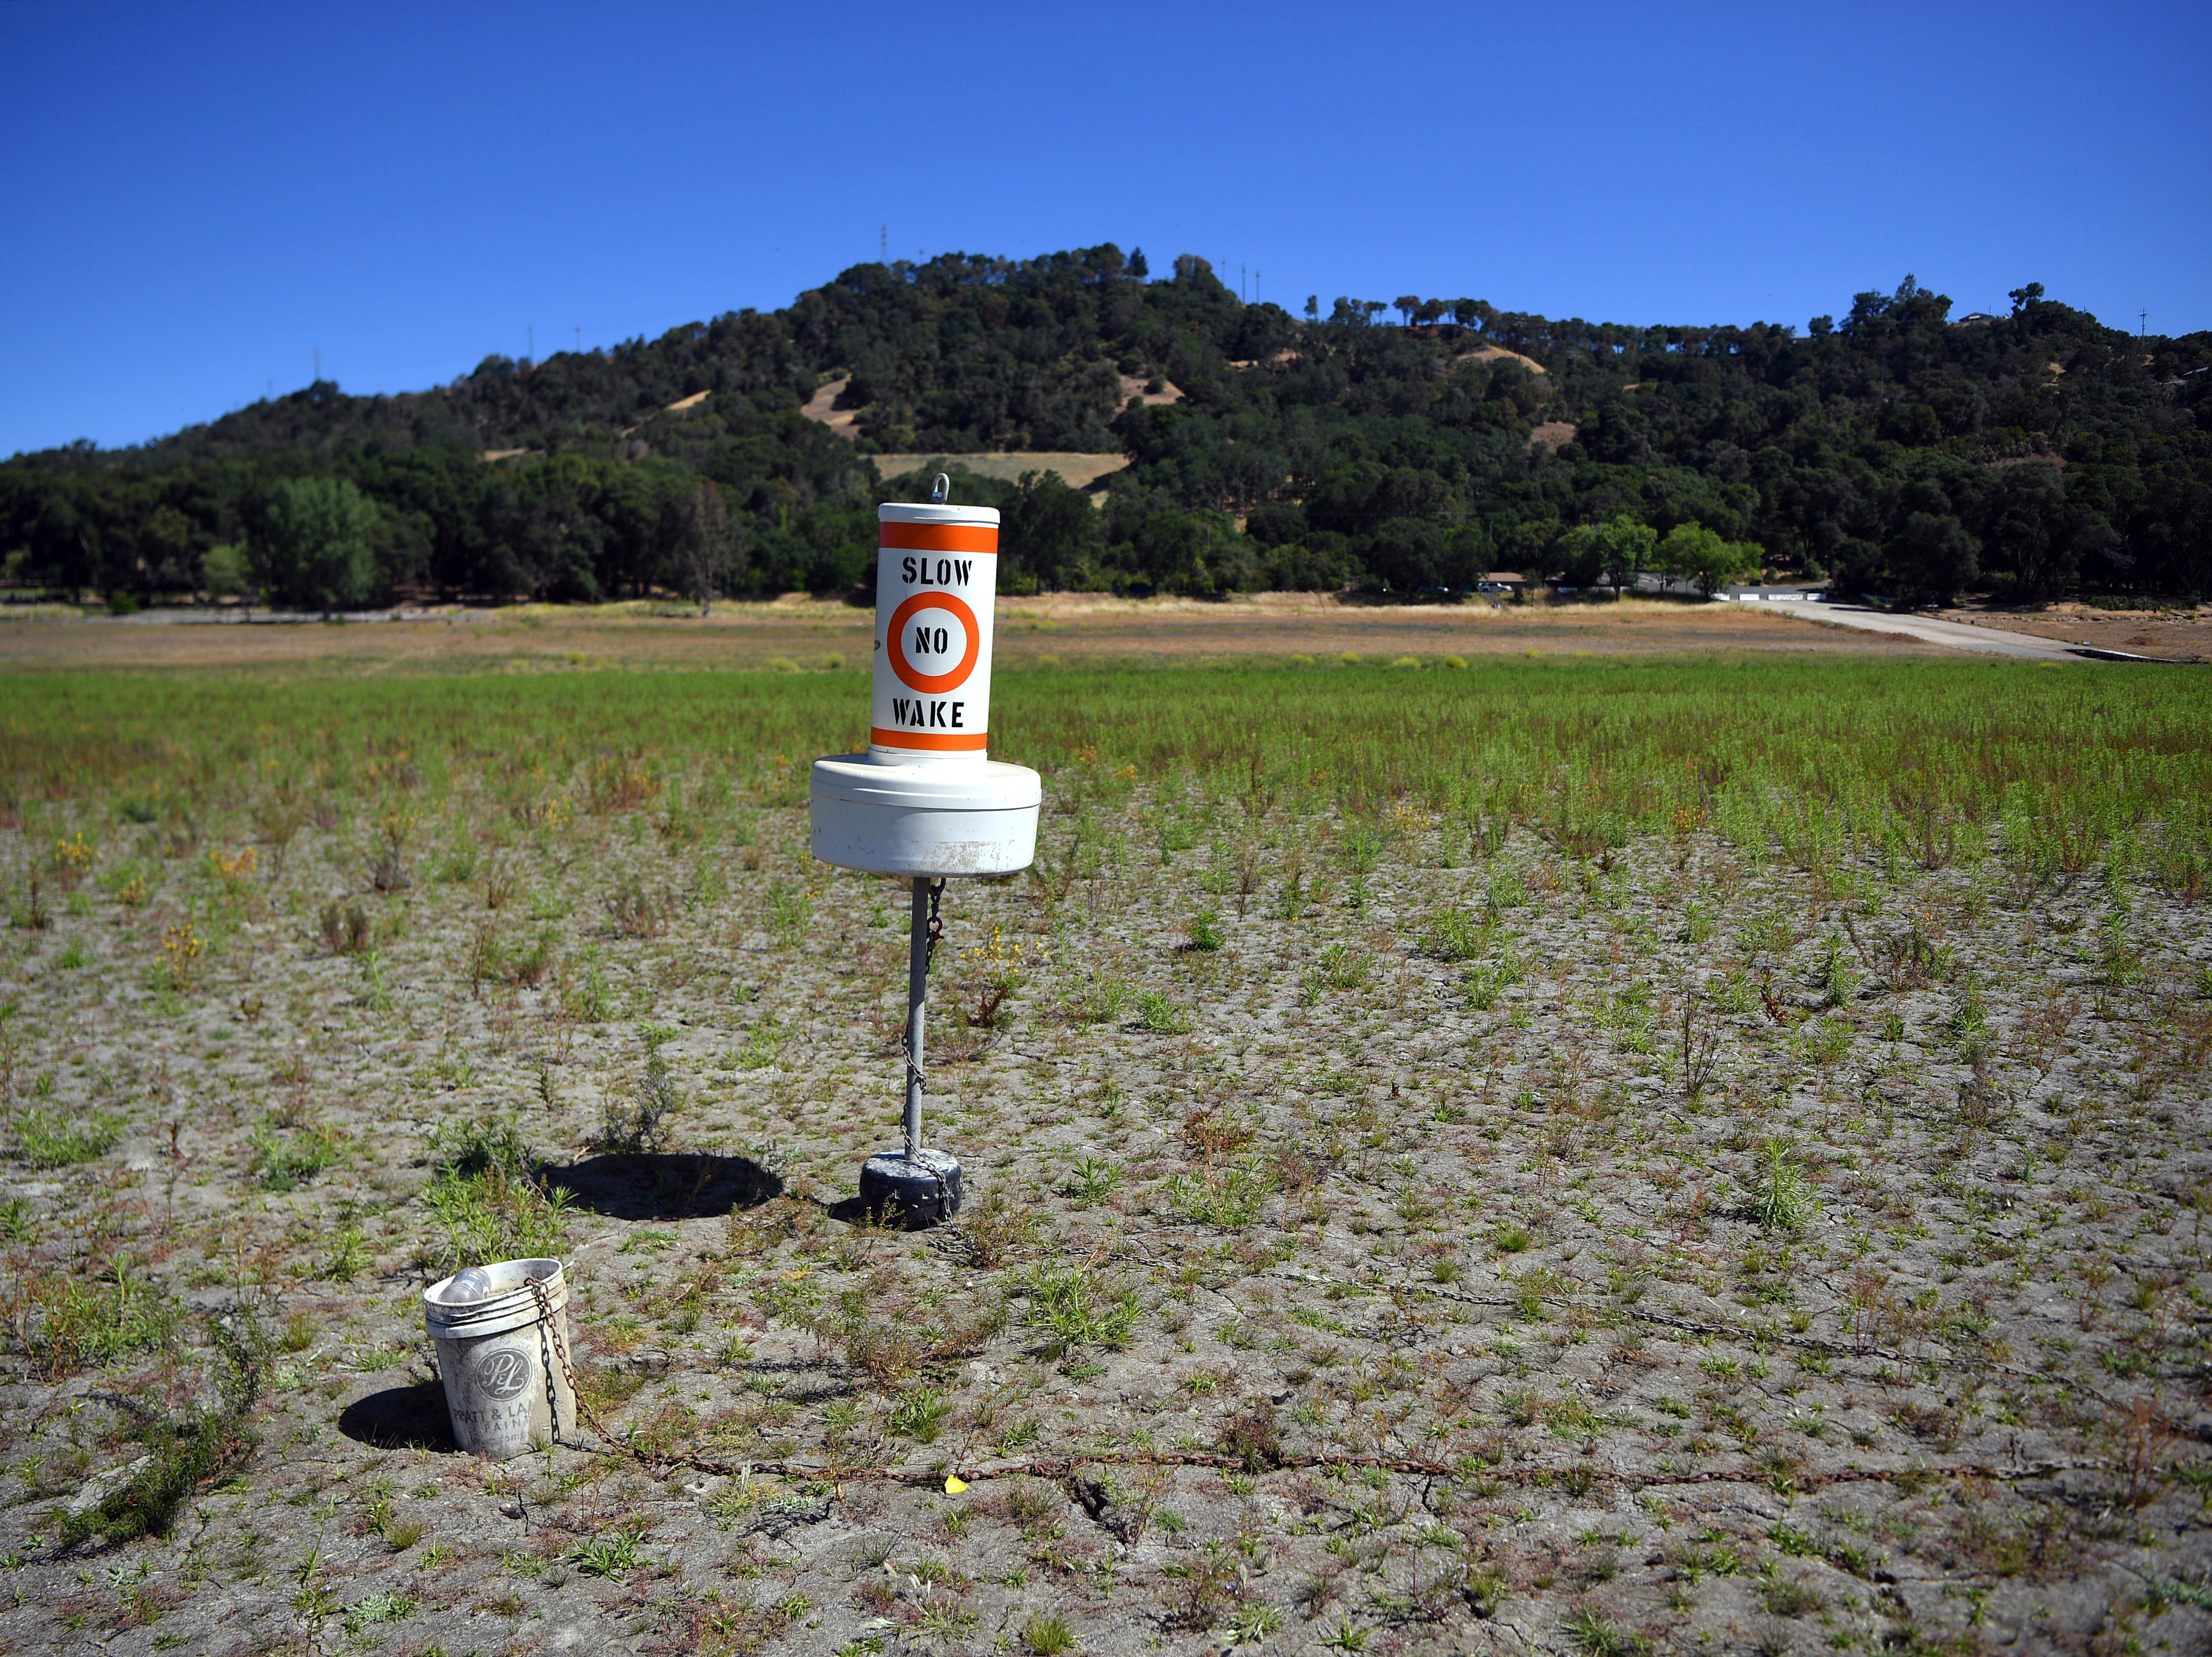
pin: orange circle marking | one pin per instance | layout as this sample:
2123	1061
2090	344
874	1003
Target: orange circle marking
931	684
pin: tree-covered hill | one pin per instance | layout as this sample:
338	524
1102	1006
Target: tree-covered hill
1898	449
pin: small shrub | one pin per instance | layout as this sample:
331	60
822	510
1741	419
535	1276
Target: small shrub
1047	1634
385	1607
183	948
790	913
45	1139
610	1555
1231	1197
526	964
586	995
1778	1195
617	782
1161	1016
919	1415
1102	1001
1254	1620
1094	1179
486	1195
1254	1437
467	1151
762	1046
1791	1598
639	1122
999	1227
1484	985
1600	1635
32	914
1078	1308
886	1345
345	928
284	1161
1453	935
1202	932
71	1323
184	1455
1340	968
637	913
387	871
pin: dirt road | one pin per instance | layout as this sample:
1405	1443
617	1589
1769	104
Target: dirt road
1955	635
1982	637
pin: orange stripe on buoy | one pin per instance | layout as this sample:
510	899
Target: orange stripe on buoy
882	738
938	537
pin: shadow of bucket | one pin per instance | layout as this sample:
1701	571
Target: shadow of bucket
503	1358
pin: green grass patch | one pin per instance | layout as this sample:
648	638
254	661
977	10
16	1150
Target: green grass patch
45	1138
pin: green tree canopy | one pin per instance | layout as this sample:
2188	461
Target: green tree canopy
1616	549
1897	450
315	541
1696	553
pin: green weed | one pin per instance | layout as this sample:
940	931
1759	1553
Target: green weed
485	1193
610	1555
1778	1194
1600	1635
46	1139
73	1323
1078	1308
1454	935
1157	1013
1095	1179
1340	967
182	1453
919	1415
285	1161
1229	1196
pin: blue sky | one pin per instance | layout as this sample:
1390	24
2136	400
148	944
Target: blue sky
198	198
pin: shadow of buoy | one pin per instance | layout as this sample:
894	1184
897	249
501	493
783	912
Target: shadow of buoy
655	1185
401	1419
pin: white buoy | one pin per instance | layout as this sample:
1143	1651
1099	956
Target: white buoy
926	800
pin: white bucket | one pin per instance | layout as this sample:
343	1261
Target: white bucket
498	1355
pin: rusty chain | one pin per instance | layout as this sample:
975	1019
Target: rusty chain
1062	1467
549	1329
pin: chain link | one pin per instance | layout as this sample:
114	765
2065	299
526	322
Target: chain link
545	1358
935	933
547	1328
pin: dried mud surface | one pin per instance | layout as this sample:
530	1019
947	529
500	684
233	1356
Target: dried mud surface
1373	1280
811	634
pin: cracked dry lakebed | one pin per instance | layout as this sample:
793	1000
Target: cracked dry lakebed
1564	1157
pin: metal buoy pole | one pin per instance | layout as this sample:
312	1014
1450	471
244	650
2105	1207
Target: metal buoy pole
926	797
914	1186
917	986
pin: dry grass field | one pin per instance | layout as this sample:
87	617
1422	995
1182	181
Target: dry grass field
1623	1154
814	634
